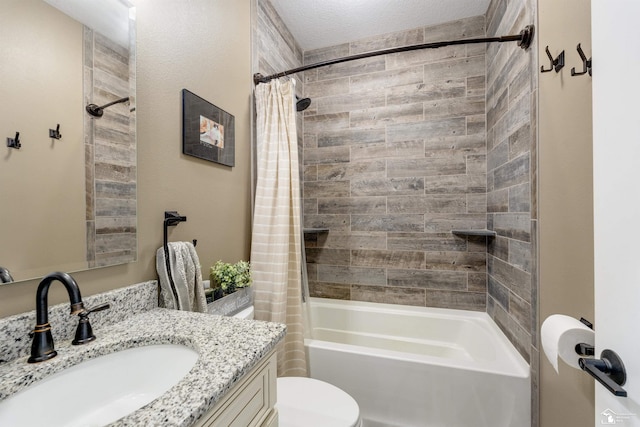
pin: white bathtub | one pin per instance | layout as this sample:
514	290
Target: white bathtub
415	366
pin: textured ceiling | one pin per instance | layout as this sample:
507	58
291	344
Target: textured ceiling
320	23
110	18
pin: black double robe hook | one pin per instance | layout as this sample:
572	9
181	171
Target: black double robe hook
14	142
556	64
55	133
586	63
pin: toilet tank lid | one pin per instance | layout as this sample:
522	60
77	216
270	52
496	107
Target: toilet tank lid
304	401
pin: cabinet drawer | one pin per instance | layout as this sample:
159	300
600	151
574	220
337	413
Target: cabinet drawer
249	403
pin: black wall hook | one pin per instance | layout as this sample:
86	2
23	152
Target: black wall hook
55	133
556	64
586	63
14	142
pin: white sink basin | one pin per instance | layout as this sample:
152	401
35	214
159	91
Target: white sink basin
101	390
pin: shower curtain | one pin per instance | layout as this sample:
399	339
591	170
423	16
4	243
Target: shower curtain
276	239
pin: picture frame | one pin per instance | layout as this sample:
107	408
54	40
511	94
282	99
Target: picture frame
208	132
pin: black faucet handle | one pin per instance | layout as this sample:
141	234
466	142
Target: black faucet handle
99	307
84	332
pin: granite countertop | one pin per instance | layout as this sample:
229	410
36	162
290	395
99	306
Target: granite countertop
227	347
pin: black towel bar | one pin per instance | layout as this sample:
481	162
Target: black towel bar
171	219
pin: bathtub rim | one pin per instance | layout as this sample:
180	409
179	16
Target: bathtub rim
517	365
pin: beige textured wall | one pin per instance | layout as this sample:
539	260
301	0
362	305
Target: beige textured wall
41	86
566	203
203	46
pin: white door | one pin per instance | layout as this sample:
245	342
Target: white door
616	146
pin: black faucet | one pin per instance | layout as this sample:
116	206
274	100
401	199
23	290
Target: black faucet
42	346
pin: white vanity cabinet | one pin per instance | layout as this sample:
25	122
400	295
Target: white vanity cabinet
250	402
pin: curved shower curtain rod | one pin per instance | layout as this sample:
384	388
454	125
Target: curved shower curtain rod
524	41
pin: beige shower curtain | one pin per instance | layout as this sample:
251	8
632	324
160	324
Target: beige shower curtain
276	239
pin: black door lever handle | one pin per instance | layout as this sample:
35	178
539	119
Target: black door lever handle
608	371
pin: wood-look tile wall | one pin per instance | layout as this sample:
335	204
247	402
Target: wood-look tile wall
512	182
277	50
394	159
110	152
511	202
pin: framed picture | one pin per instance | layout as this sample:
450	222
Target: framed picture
208	132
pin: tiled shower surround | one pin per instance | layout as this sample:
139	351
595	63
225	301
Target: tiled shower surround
399	150
394	159
510	169
512	88
110	153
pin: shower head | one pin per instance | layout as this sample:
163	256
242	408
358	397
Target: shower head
96	111
302	104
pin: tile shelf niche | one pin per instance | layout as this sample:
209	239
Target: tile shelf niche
486	233
315	230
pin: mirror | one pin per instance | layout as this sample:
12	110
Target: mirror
67	178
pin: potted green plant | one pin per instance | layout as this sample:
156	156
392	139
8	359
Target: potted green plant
228	278
230	285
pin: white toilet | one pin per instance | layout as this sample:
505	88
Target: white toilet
307	402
